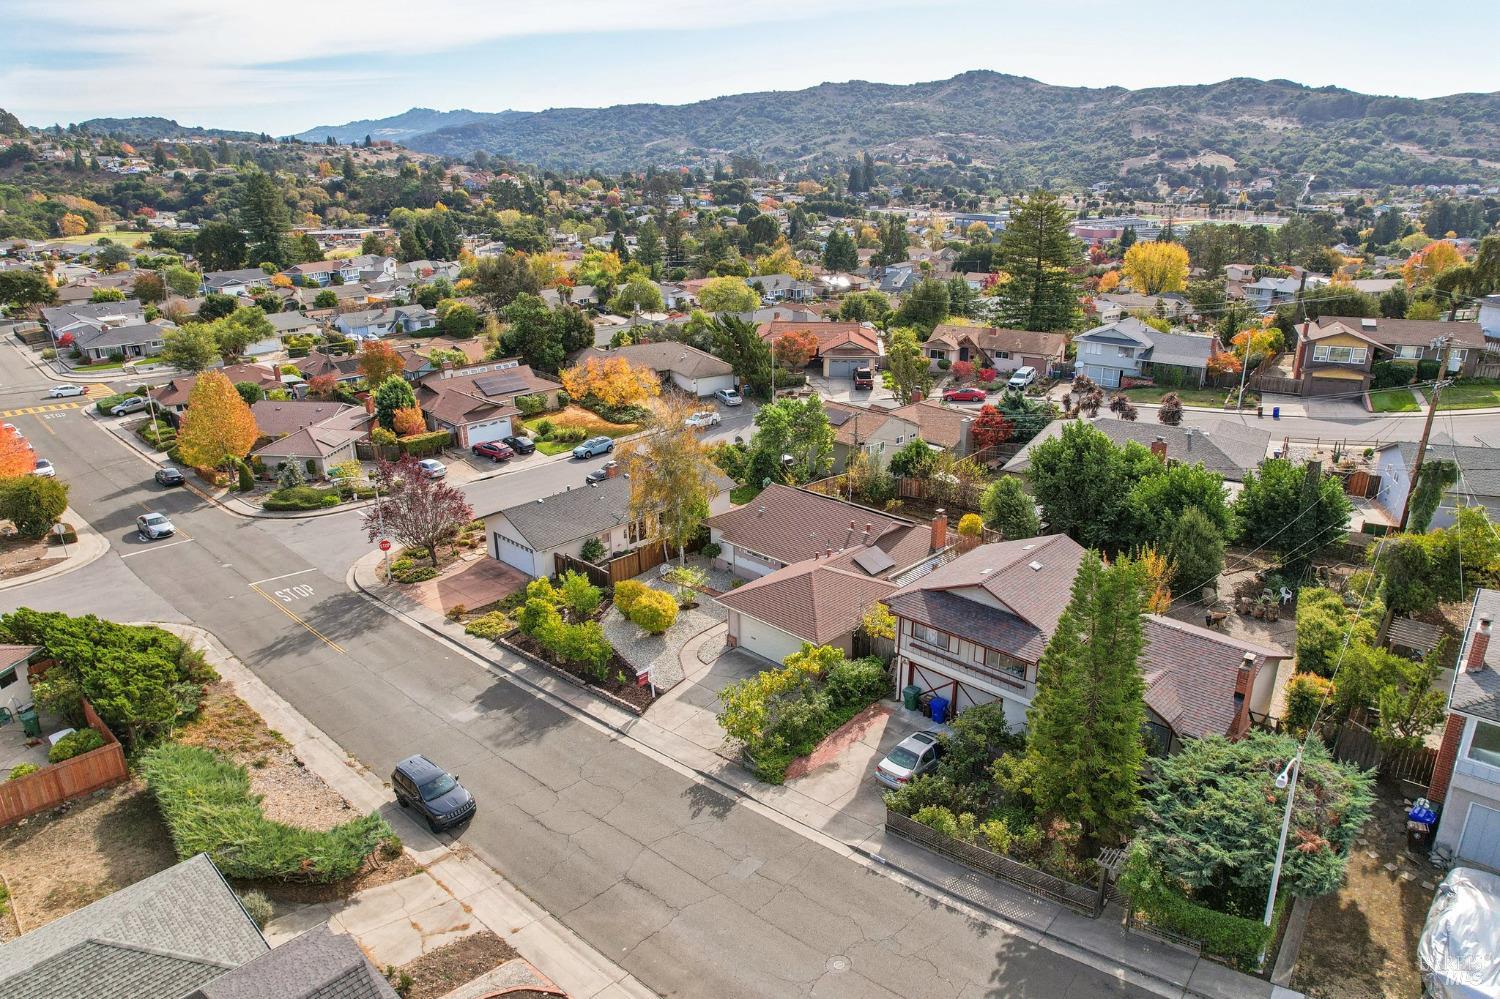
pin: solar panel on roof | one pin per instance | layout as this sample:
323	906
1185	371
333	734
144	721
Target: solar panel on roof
838	417
501	383
874	561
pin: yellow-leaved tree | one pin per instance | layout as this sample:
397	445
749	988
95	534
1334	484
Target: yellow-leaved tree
1108	282
219	427
1156	268
1430	261
614	381
72	225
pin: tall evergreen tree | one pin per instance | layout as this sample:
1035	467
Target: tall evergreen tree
264	217
648	247
1084	745
1037	250
840	253
867	170
618	248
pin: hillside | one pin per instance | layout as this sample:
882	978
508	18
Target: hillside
398	128
153	129
11	126
1025	131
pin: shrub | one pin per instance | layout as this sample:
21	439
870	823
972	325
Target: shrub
938	819
592	551
580	595
301	498
33	504
544	429
22	770
1389	374
531	405
1427	370
208	808
539	616
1233	937
411	572
74	744
944	364
970	526
381	437
247	478
103	406
1305	693
564	399
490	626
425	445
48	354
654	611
257	907
712	550
626	593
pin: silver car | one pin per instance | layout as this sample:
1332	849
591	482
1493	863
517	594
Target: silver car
913	756
153	527
728	397
63	391
134	404
44	469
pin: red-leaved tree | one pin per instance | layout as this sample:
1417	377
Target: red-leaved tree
963	372
990	429
795	348
415	510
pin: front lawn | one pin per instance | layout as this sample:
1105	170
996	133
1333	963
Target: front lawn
1209	398
1395	400
557	432
99	366
1471	393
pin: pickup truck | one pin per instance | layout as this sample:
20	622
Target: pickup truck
864	378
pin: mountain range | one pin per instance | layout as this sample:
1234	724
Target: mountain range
399	128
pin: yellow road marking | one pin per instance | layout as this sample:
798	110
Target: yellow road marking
52	407
299	619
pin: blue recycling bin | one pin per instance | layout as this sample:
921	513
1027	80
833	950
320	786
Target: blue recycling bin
939	710
1275	412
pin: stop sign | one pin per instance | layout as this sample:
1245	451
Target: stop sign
385	544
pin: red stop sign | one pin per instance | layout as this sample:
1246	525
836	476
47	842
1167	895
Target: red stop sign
385	544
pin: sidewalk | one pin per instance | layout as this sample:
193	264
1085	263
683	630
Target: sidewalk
1102	943
91	546
453	880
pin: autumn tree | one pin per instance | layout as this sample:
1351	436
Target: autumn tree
1156	268
417	511
322	387
378	361
218	427
408	421
15	457
795	348
990	429
148	287
1108	282
672	478
614	381
1430	261
392	395
72	224
728	294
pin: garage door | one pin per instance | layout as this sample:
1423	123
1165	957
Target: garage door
492	430
1480	843
843	367
1106	377
514	554
764	640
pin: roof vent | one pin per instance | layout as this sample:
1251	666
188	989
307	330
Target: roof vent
1034	565
1367	324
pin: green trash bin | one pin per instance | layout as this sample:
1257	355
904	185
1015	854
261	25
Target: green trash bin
911	697
31	724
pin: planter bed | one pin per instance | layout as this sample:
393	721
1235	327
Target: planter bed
631	697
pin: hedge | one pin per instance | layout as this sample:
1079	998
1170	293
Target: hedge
301	498
74	744
208	807
1239	940
424	445
1389	374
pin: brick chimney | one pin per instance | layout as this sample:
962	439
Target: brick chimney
1243	682
1442	770
611	470
1479	645
917	395
1159	448
940	530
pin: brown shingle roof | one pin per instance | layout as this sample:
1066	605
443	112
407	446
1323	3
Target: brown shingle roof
276	419
461	398
176	391
936	423
816	600
669	358
1033	577
791	525
1410	332
1190	674
993	338
830	335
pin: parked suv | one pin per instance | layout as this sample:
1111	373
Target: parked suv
864	378
1021	378
442	801
519	444
493	450
593	447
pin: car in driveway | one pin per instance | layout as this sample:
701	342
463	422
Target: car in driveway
964	395
703	419
913	756
44	469
593	447
864	377
153	527
134	404
168	475
433	792
520	445
432	468
602	472
493	450
1021	378
729	397
64	391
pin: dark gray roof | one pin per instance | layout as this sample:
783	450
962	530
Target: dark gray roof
318	964
1477	692
580	512
121	336
1186	350
1480	465
1226	447
175	930
1129	330
64	315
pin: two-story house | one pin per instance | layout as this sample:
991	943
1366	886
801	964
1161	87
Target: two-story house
1127	350
1466	777
974	630
1334	358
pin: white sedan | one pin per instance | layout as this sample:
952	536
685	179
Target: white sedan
702	419
44	469
63	391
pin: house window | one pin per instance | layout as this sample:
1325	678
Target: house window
1484	747
929	636
1339	355
1004	664
936	354
7	678
1409	351
635	533
1002	355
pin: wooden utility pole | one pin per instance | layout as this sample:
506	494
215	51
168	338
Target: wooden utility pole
1446	342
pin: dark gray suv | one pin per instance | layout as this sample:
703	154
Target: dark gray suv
433	791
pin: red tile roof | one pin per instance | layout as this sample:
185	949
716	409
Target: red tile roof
830	335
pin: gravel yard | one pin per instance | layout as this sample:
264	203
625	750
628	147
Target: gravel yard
662	654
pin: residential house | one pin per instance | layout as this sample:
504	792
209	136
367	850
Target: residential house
879	433
842	347
1489	320
585	296
15	678
373	324
235	282
898	279
689	369
320	273
992	347
346	296
973	630
1115	305
1478	478
345	367
374	267
323	433
173	396
83	317
942	427
133	340
528	536
478	403
1415	340
1335	358
1231	449
1128	351
821	600
783	288
1466	777
428	270
181	934
293	324
1269	292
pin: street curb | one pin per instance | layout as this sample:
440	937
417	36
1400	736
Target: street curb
1095	959
72	564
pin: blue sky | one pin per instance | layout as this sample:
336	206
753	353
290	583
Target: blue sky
283	66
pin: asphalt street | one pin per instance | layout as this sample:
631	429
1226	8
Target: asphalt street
693	893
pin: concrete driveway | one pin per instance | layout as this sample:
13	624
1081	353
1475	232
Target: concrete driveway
848	783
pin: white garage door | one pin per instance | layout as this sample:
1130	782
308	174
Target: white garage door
1106	377
514	554
843	367
764	640
1480	843
490	431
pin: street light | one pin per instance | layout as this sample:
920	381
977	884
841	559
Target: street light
1287	778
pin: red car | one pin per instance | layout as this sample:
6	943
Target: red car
493	450
964	395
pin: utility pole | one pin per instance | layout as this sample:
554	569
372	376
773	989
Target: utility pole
1446	343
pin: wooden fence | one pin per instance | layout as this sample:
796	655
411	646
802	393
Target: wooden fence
617	569
1086	899
1409	769
58	782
